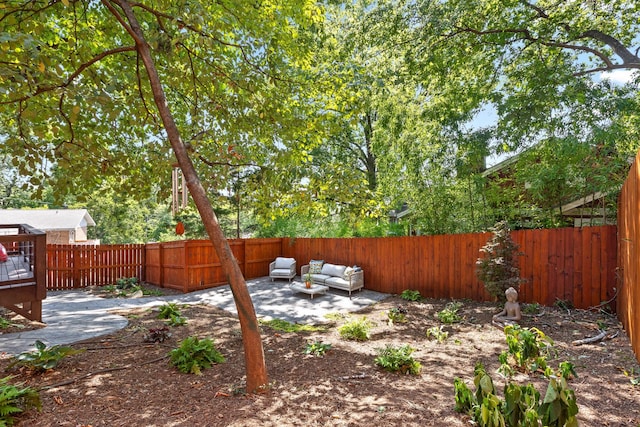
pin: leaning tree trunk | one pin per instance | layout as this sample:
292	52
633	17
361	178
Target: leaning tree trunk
256	370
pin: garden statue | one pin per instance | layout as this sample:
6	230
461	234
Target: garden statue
511	312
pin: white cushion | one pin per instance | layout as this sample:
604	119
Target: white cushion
347	273
333	270
284	262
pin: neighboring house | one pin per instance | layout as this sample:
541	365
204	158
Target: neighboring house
62	226
589	209
396	217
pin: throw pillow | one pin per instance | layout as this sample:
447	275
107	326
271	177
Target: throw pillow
347	273
315	266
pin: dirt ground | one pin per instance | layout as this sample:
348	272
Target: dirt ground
121	380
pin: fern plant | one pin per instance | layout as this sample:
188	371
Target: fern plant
193	355
15	399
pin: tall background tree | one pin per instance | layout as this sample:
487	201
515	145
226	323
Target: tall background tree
540	67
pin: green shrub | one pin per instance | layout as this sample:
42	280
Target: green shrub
498	268
356	330
398	359
43	357
410	295
15	399
528	347
450	314
193	355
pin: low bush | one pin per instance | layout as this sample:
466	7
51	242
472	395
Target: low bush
356	330
398	359
193	355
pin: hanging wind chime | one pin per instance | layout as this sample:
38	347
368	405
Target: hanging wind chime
179	196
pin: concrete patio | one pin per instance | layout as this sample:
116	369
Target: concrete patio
73	316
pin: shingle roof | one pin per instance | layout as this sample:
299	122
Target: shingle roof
47	219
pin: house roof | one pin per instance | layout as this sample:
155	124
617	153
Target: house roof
47	219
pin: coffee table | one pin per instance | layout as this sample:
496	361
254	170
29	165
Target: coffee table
313	290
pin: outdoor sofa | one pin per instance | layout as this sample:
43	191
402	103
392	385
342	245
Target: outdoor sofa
334	275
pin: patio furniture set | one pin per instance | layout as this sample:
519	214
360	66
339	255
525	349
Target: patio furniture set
322	275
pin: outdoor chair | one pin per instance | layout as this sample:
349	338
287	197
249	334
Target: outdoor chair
282	268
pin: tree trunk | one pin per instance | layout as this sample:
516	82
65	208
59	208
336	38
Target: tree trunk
256	370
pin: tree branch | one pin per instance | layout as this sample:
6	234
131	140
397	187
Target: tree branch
42	89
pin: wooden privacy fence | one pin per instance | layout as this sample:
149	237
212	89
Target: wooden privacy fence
79	266
189	265
577	265
629	256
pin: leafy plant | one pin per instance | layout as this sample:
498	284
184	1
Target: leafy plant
6	323
152	292
521	405
559	406
498	268
317	347
43	358
397	315
127	283
177	321
567	370
169	310
564	304
528	347
356	330
398	359
531	308
15	399
437	333
410	295
449	314
193	355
